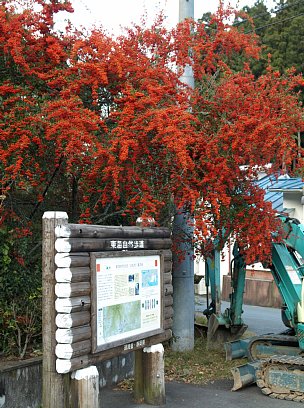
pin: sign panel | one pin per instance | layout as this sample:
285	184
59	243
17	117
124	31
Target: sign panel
127	297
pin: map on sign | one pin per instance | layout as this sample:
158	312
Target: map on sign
116	318
128	297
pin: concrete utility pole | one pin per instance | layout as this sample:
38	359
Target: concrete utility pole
186	10
183	271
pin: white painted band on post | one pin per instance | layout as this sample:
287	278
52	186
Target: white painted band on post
66	290
62	230
69	351
73	335
63	275
64	351
68	320
63	290
69	275
66	305
62	245
65	260
55	214
85	373
63	366
157	348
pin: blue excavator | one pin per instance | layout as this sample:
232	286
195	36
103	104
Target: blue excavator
275	361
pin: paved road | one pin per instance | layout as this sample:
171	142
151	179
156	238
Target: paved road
260	320
216	395
263	320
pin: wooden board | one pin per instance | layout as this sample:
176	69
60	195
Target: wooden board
66	366
73	335
73	304
68	320
105	231
77	274
64	245
67	260
69	290
69	351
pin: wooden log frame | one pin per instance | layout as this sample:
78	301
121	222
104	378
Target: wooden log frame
68	260
70	290
69	351
74	244
73	335
74	304
76	319
54	390
64	245
72	275
75	363
105	231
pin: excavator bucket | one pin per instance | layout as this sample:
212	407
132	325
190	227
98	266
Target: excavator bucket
244	375
218	333
236	349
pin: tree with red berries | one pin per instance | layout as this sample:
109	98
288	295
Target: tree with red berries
102	127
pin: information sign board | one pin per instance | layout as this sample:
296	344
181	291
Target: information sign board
127	301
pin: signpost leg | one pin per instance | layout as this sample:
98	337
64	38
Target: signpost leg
54	389
138	377
85	388
154	375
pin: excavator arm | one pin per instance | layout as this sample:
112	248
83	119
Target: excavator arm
226	326
288	272
277	362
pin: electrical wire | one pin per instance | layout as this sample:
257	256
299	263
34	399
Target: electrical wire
272	11
265	25
273	24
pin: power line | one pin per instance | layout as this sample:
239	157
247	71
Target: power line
264	26
272	11
286	6
275	23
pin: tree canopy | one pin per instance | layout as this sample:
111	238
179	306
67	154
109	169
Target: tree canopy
280	30
103	127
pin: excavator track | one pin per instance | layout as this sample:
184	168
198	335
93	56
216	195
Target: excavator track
266	346
282	377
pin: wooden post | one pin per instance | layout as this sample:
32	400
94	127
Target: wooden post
154	375
85	388
54	386
138	391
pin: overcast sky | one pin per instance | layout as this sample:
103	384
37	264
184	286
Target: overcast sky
112	14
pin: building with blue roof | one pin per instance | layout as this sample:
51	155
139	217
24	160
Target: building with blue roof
285	193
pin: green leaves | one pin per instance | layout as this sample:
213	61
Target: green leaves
20	302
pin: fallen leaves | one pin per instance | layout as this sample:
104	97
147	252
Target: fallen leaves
199	366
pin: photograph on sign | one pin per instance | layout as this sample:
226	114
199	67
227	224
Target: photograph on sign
127	297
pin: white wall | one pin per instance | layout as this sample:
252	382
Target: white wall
293	200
